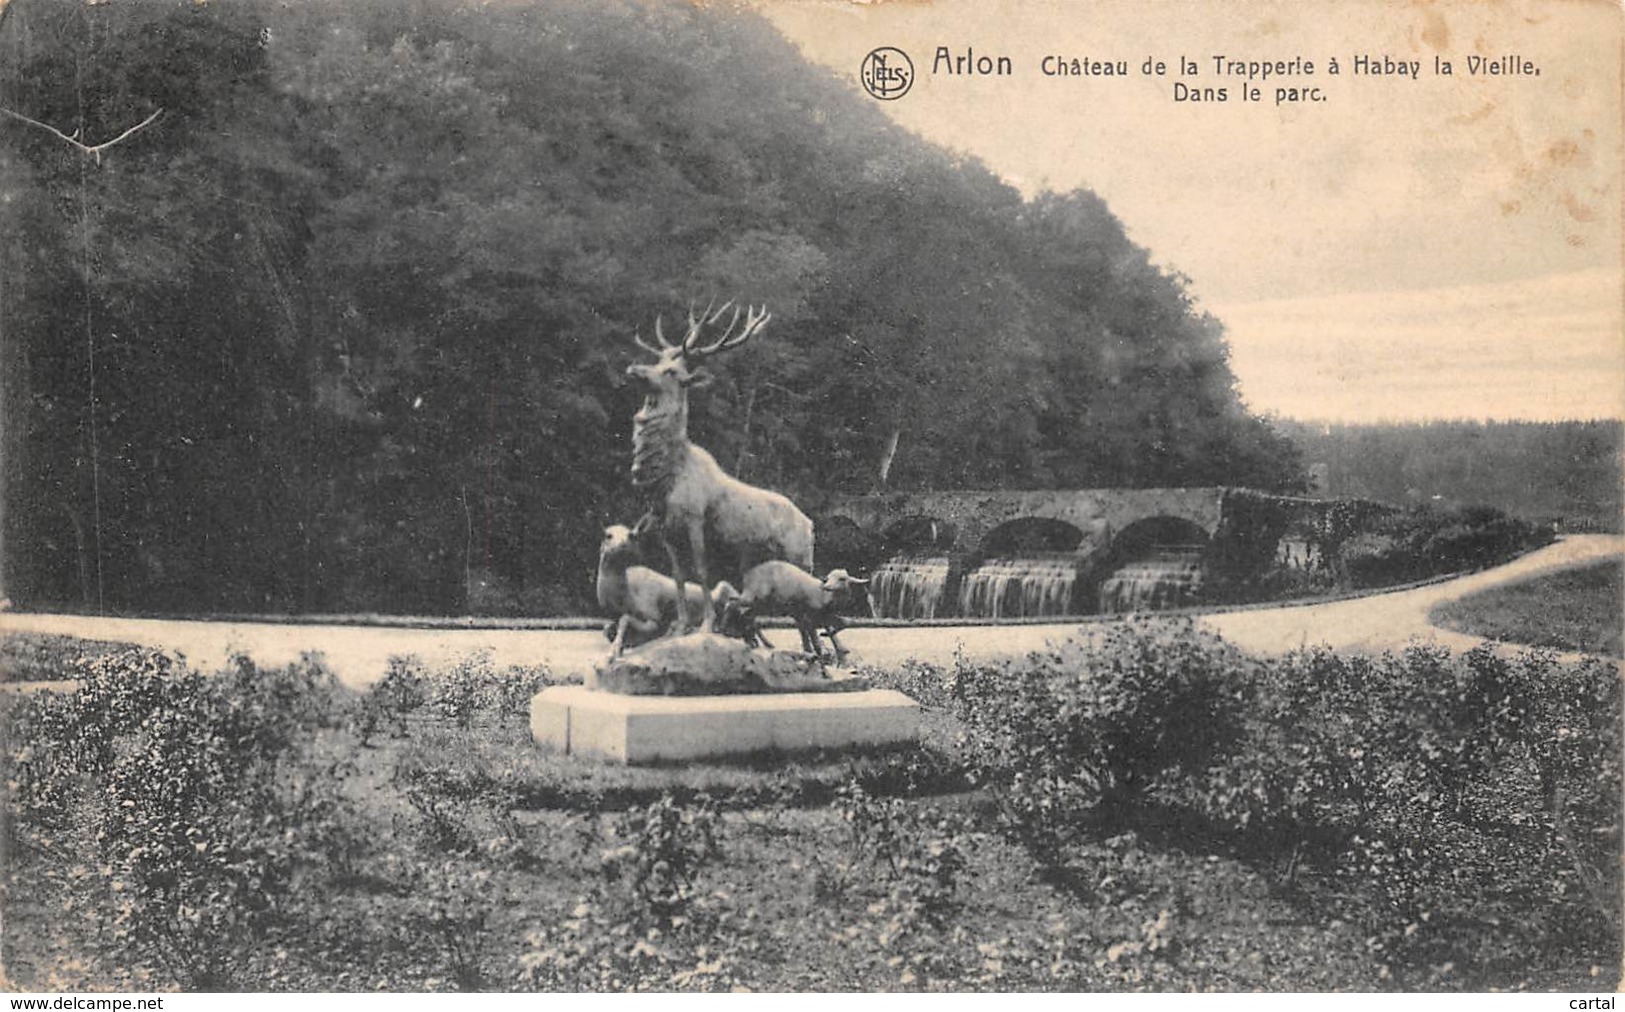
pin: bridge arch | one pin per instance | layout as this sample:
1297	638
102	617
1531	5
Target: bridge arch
912	575
1156	562
1200	537
919	533
1156	532
1025	567
1030	534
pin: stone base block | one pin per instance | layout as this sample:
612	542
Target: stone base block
576	720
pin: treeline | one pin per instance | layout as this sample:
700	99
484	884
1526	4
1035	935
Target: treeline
346	327
1567	473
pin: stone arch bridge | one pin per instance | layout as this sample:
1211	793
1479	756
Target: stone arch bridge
1057	552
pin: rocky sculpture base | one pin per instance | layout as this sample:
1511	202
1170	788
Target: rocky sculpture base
706	664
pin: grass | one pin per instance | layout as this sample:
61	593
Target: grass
1579	610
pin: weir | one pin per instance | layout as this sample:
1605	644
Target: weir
1020	588
1171	578
912	587
1029	554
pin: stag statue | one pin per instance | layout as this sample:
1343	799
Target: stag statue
724	526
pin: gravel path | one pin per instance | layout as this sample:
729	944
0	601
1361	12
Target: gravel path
1383	621
359	655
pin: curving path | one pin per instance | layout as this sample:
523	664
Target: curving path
359	655
1384	621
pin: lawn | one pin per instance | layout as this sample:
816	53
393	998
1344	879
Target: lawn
1155	812
1580	610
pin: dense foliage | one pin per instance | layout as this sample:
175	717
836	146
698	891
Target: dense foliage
1353	544
29	657
1463	811
1150	809
1415	543
345	328
172	813
1563	472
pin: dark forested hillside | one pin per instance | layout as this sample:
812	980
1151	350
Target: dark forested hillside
1567	472
345	328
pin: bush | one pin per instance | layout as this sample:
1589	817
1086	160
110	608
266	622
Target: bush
1418	543
666	846
388	702
473	687
646	922
1089	729
160	802
28	657
1464	810
1459	814
1377	560
1479	539
469	690
919	850
1438	796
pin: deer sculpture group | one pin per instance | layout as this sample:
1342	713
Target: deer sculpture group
703	515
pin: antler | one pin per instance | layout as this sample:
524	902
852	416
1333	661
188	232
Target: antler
695	323
637	338
755	319
690	347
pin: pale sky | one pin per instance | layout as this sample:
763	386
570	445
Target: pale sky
1405	249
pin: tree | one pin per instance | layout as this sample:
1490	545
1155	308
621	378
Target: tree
362	299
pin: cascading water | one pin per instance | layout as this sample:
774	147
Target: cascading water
1171	578
909	587
1019	588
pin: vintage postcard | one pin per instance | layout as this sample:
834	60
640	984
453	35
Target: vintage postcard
811	495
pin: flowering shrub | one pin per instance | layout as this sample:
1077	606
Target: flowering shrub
388	702
666	844
1417	543
472	688
920	852
26	657
1428	795
1070	736
162	797
1443	793
1140	809
647	922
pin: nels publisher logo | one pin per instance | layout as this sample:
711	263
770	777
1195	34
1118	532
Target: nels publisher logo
887	73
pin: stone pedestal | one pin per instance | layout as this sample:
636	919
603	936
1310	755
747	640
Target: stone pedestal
576	720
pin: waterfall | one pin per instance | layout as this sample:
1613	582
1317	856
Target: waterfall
909	587
1172	578
1032	586
1019	588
